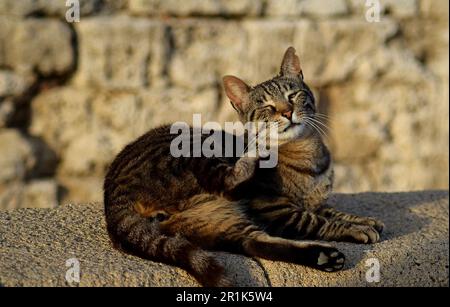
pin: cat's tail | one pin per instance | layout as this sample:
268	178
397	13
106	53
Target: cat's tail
143	237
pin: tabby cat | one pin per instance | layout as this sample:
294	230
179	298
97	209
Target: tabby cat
178	210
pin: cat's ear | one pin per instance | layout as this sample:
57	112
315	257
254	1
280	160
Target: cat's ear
291	64
238	92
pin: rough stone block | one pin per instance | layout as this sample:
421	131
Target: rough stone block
121	52
56	7
196	7
36	45
435	9
16	156
40	193
60	115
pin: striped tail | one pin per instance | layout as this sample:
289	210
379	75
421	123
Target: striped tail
135	234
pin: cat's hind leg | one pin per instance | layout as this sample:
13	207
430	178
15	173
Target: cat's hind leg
318	255
216	223
136	229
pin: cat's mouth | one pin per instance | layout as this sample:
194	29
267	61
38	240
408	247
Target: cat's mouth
291	132
292	126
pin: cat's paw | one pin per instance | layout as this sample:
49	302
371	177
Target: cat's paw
364	234
243	170
375	223
330	260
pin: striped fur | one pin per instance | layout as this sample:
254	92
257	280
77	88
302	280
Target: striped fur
178	210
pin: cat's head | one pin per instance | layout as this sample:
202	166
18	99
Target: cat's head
285	101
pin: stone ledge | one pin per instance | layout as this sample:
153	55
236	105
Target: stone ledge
35	244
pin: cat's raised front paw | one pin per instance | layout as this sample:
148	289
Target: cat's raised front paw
243	170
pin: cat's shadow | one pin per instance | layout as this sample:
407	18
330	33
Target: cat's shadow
399	212
396	210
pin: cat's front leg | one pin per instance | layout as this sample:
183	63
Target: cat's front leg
331	213
342	231
282	218
342	226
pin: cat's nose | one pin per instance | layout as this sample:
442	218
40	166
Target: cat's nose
288	114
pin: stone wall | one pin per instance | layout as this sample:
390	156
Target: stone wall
73	94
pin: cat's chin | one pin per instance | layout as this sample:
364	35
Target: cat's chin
293	132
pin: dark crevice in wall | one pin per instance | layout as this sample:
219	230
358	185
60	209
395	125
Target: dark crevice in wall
170	50
86	8
36	14
47	158
75	50
219	98
198	16
21	119
61	192
264	10
397	35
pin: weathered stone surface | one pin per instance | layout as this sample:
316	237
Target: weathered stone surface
17	158
200	54
368	135
312	8
41	193
7	27
35	44
384	135
402	8
60	115
82	189
196	7
22	158
324	8
57	7
206	52
435	9
166	106
348	176
88	129
12	84
397	8
413	250
327	58
6	111
120	52
269	41
283	8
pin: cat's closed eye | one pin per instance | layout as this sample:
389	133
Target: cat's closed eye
265	112
291	97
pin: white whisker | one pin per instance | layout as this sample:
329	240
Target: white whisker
320	123
323	116
315	127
